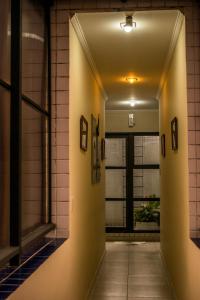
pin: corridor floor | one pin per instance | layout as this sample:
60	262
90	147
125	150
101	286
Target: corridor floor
132	271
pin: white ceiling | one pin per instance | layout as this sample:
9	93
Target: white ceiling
141	53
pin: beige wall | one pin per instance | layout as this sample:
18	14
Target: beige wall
67	274
181	255
145	121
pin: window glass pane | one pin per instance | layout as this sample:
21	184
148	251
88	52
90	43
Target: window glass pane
116	213
5	33
115	183
146	150
4	166
146	215
34	174
34	52
146	183
115	152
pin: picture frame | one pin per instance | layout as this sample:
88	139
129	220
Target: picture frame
94	146
163	148
103	150
83	133
174	134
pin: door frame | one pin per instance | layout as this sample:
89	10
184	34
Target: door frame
129	136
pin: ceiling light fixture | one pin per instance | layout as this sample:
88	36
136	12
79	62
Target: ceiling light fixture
128	25
131	80
133	103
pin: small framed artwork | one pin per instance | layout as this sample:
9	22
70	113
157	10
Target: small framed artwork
163	151
174	133
94	148
83	133
103	154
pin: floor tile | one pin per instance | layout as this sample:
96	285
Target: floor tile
107	298
147	298
111	290
161	291
112	277
147	280
145	269
132	271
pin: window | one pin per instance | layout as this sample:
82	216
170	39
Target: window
25	166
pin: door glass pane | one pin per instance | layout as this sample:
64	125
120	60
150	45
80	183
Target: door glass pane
4	166
5	34
34	52
146	215
146	150
116	213
34	172
115	152
115	183
146	183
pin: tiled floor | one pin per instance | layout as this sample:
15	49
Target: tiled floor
132	271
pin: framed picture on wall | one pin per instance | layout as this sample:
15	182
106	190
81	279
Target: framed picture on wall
83	133
174	134
163	149
103	150
94	148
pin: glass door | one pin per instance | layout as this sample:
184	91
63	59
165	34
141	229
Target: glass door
116	173
132	183
146	183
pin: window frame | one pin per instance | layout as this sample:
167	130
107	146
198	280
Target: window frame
13	252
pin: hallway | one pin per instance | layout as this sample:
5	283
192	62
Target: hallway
132	271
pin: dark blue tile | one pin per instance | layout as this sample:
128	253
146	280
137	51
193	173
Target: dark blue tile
4	295
8	287
14	281
19	275
26	270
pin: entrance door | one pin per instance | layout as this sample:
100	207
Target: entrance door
132	182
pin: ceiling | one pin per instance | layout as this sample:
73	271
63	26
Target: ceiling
141	53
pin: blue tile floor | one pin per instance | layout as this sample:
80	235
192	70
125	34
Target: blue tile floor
12	277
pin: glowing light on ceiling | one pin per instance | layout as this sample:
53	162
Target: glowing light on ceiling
128	25
131	80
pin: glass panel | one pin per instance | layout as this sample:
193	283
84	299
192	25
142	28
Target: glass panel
4	166
146	183
146	215
146	150
116	213
34	52
34	174
115	152
5	34
115	183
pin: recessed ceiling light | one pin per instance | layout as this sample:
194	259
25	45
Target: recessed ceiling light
128	25
131	80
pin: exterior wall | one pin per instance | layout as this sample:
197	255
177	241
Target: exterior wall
61	11
145	121
59	276
60	124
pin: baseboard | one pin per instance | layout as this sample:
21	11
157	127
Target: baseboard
168	276
95	276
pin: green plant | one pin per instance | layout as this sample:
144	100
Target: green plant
148	213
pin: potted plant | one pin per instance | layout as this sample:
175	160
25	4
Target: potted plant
148	215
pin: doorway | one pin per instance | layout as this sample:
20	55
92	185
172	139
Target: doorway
132	182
